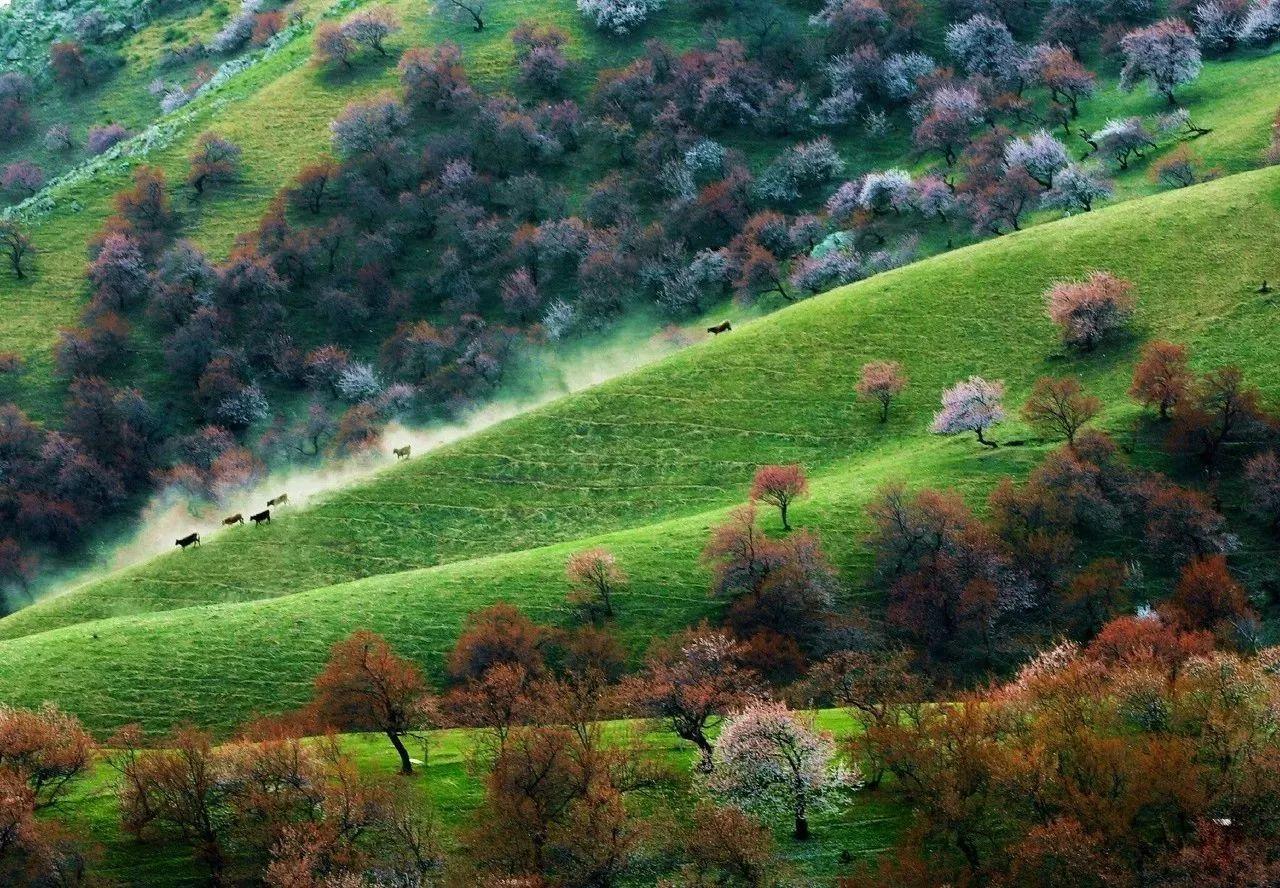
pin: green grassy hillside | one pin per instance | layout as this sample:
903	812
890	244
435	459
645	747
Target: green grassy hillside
650	460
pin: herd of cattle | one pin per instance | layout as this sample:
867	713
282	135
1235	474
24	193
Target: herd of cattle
264	517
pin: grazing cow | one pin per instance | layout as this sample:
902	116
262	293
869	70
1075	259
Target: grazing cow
237	518
279	501
723	327
191	539
402	452
264	515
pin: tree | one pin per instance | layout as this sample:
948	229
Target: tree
16	247
331	43
470	11
1165	54
779	486
1161	377
1090	310
1262	479
102	138
1065	78
371	27
768	759
881	382
984	47
785	587
725	848
69	65
1077	187
1119	140
214	160
364	127
1180	169
1222	409
365	686
500	633
595	578
970	406
182	788
690	683
1207	596
1041	156
1182	525
22	179
434	79
619	17
1060	406
47	749
119	273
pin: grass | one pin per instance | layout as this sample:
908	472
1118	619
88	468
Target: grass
448	787
648	462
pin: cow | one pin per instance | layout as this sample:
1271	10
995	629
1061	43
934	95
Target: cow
279	501
264	515
237	518
191	539
722	327
402	452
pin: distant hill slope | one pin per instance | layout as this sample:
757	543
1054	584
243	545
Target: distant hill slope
653	458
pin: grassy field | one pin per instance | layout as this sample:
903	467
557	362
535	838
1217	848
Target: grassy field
648	462
1235	97
449	788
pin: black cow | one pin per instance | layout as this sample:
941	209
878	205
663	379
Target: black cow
191	539
264	515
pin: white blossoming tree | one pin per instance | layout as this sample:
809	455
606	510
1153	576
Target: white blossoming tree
771	761
972	405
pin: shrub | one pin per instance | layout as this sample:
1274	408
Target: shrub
102	138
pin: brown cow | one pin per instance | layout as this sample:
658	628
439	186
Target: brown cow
402	452
723	327
279	501
191	539
237	518
264	515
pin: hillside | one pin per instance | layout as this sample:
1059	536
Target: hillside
1232	97
777	391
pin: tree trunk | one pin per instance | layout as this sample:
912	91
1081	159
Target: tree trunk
984	442
783	509
706	764
406	766
802	826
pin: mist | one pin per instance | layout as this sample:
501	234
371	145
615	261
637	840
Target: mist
536	378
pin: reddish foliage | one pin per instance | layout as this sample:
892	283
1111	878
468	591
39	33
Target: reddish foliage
1161	377
779	486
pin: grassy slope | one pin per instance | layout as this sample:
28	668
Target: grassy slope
669	446
1235	96
449	788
